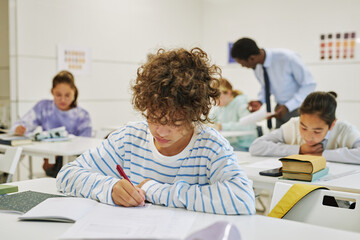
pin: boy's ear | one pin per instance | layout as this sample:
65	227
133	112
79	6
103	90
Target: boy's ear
333	124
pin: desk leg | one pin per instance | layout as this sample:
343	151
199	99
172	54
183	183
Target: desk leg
18	167
30	168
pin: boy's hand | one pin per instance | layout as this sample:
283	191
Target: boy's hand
20	130
127	195
316	149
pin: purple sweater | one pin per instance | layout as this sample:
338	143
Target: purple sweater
48	116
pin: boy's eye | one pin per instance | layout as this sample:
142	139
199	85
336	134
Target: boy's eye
317	132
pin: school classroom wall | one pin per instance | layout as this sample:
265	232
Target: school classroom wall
296	25
120	34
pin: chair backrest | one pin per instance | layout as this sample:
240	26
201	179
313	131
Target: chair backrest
313	208
9	161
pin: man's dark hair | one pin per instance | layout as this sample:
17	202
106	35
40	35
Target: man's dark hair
244	48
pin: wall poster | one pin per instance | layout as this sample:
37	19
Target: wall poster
337	46
77	60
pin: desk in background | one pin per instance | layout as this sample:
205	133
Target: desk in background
253	165
237	133
253	227
67	149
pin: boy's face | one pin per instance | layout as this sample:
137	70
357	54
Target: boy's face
313	129
170	140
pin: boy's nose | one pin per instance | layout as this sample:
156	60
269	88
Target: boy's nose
162	130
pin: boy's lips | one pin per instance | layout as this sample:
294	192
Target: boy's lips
161	140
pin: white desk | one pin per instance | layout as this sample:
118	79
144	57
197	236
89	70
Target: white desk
254	227
253	165
72	148
237	133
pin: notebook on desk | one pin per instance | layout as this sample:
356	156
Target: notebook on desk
23	201
68	209
114	222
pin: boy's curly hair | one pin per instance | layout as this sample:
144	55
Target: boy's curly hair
176	85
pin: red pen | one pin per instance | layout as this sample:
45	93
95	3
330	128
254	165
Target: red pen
122	173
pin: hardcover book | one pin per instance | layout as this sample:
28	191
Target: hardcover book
13	140
310	177
302	163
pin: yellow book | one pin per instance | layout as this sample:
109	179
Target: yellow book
303	163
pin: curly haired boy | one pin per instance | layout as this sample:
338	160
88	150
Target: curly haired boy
171	158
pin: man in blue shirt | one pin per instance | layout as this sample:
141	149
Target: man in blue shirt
289	80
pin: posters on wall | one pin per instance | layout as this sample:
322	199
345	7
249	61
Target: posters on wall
337	46
77	60
230	59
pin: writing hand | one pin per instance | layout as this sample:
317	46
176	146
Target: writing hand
280	111
316	149
20	130
253	106
125	194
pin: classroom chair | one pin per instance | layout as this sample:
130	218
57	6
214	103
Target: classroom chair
9	161
323	207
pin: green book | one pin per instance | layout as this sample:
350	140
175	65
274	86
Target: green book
4	189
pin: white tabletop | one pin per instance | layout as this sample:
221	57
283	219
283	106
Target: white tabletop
346	177
75	146
254	227
237	133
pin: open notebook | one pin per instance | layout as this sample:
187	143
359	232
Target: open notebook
94	220
67	209
114	222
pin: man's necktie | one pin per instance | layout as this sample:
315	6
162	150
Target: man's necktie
267	96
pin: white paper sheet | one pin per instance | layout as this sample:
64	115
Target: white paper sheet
109	222
254	117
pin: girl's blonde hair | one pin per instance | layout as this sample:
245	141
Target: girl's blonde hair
225	86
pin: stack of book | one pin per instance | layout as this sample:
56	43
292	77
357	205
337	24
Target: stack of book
13	140
304	167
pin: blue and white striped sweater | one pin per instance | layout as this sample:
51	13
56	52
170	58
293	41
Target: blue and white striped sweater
204	177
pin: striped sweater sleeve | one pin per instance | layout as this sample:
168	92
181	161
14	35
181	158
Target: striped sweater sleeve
229	190
93	174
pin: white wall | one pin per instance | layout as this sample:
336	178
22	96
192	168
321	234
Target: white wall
291	24
120	34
